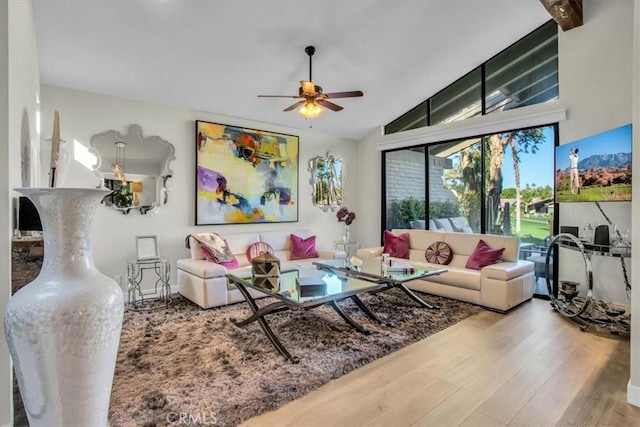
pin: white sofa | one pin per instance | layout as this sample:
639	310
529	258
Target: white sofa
205	283
499	287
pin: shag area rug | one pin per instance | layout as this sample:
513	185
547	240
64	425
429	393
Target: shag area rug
183	361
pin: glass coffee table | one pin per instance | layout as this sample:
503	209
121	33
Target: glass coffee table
395	277
299	288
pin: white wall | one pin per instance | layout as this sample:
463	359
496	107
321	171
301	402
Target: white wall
19	80
83	114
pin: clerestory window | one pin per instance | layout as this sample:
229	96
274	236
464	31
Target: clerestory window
525	73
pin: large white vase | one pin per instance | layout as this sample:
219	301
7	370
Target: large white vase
63	329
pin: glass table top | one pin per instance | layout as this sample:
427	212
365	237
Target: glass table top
300	285
371	269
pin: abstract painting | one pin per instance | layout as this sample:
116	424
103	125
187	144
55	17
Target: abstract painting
245	176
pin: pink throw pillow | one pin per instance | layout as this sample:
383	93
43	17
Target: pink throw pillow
206	253
303	248
258	248
483	255
396	246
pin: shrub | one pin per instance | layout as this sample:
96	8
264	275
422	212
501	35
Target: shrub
406	210
443	209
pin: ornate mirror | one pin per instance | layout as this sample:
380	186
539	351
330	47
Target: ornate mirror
135	167
326	180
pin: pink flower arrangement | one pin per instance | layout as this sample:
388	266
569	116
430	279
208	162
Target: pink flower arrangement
344	215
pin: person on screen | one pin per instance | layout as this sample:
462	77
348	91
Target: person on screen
573	163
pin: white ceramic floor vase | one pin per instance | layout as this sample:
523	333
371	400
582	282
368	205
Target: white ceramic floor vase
63	329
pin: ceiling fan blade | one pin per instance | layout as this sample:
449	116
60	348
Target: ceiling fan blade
308	87
279	96
294	106
329	105
350	94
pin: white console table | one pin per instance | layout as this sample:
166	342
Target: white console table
161	267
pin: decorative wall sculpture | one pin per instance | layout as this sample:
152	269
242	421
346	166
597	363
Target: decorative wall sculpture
245	175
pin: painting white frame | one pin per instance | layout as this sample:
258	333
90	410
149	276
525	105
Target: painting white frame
147	247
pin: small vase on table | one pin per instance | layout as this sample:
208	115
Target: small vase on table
345	234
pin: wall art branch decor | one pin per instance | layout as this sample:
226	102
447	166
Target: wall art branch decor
245	175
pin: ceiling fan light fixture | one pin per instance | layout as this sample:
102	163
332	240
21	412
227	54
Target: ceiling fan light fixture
310	110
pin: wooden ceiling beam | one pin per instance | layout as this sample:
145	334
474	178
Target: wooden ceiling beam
567	13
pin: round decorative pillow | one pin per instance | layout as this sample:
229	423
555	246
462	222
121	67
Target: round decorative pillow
438	253
258	248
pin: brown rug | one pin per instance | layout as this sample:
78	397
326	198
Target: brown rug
184	365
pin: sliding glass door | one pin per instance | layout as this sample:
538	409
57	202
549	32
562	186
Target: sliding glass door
499	183
404	175
455	185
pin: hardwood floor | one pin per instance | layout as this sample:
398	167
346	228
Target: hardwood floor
530	367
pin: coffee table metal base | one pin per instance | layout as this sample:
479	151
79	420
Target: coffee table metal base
410	294
259	313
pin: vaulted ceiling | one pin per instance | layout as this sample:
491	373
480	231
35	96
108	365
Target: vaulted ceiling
217	56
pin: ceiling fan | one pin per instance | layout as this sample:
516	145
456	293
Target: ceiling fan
313	99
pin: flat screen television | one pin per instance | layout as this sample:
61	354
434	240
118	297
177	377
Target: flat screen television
596	168
28	216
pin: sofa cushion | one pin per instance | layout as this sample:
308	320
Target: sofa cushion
396	246
458	277
507	270
419	224
280	240
239	242
420	239
460	225
444	224
201	268
302	248
483	255
438	253
258	248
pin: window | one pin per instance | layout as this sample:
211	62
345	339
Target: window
461	100
404	188
494	184
455	184
525	73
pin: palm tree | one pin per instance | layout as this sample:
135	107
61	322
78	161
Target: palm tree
522	141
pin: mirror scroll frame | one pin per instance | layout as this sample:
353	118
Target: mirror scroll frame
134	133
316	198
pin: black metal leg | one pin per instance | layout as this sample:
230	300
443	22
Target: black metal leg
416	298
348	319
366	309
258	315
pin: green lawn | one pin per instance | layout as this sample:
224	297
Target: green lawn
533	229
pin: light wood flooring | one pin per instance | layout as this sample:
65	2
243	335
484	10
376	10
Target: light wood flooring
528	367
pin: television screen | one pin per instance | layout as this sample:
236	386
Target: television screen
28	216
596	168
